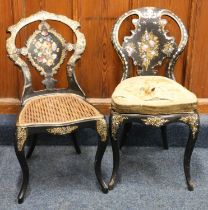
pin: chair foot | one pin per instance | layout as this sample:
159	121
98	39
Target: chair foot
105	190
21	197
190	186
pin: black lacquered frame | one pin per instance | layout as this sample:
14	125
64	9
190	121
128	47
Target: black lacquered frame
23	132
150	22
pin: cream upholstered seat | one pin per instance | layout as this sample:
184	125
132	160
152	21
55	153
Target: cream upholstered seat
148	99
56	109
152	95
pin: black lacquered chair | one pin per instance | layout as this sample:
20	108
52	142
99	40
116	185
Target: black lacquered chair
149	99
52	110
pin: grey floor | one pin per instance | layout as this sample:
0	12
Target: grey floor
149	178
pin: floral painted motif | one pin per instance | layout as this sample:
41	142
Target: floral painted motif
148	48
168	48
46	49
130	48
149	43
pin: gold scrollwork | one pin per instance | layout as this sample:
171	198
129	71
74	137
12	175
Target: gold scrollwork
116	121
192	121
62	130
101	127
21	135
155	121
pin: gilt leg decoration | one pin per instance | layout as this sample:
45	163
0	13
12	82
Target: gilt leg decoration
102	130
193	122
21	137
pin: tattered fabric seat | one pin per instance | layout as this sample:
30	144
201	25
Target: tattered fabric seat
149	99
152	95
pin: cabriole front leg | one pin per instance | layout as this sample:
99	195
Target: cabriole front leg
116	122
193	122
102	130
21	137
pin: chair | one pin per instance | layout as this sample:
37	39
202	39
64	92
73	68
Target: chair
149	99
52	110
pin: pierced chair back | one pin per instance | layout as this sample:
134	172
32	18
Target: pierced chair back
46	49
151	100
149	43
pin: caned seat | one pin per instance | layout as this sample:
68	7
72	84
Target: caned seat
152	95
56	109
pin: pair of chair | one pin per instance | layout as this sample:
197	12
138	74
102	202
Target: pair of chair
150	100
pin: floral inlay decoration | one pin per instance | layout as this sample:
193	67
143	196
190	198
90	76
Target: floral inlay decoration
130	48
168	48
148	48
46	49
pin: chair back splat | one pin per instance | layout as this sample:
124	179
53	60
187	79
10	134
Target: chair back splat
149	43
46	49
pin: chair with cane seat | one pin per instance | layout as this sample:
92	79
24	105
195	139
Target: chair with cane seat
52	110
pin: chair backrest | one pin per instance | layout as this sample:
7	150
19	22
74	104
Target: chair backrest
46	50
149	44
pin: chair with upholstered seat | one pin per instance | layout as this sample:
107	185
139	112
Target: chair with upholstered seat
147	98
52	110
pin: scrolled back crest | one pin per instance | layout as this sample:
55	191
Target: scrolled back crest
47	43
148	45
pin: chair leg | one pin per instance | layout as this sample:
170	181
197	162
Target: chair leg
164	137
19	149
75	143
115	127
98	159
102	144
194	128
125	132
32	146
116	159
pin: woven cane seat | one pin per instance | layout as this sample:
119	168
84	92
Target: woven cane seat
152	95
56	109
